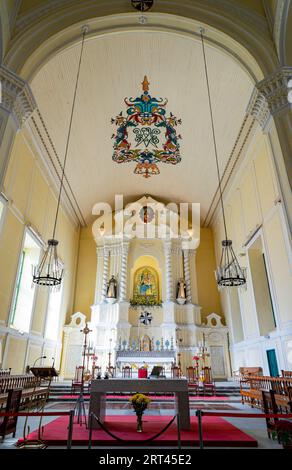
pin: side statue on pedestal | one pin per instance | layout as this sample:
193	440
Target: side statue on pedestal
181	292
111	294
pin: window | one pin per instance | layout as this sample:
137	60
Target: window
2	207
53	314
24	293
236	319
261	288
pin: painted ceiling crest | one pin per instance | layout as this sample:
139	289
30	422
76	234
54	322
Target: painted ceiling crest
146	135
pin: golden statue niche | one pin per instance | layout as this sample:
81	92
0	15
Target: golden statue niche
146	285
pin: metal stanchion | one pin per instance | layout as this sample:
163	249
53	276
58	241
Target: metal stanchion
70	429
199	415
90	430
178	431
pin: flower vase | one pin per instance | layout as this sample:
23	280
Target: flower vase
139	423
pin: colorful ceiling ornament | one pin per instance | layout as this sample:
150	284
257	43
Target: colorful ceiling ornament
146	135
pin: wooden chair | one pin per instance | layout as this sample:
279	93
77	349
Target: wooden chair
274	424
175	372
127	372
111	371
5	372
8	423
208	383
77	381
193	381
95	370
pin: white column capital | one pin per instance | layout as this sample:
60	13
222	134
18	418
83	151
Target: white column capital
16	96
270	96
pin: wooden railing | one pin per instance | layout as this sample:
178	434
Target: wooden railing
5	372
18	381
30	385
251	390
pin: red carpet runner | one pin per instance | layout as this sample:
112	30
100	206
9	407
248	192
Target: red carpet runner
216	432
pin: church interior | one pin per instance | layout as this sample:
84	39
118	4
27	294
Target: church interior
145	223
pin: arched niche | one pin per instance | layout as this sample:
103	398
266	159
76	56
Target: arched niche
150	263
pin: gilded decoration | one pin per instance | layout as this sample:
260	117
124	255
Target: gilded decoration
146	289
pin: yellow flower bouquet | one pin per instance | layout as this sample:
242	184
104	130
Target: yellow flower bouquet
139	402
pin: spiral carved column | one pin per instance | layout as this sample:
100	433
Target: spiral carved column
124	272
105	274
187	276
168	271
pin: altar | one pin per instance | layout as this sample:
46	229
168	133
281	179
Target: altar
99	389
146	309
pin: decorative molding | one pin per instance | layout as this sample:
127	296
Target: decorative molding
269	96
34	14
39	133
17	97
279	27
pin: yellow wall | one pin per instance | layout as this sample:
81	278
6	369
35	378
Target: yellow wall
15	354
208	294
31	202
252	205
86	273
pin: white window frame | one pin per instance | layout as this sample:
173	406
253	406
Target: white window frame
27	230
60	310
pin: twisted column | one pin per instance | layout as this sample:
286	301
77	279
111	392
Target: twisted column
168	271
187	276
105	273
124	272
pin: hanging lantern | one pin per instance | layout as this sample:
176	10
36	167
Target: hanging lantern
229	273
50	271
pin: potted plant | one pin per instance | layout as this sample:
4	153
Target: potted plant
139	402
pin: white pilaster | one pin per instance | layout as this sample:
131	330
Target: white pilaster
168	271
124	271
106	255
269	102
187	276
193	276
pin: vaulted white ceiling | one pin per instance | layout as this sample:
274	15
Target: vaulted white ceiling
113	68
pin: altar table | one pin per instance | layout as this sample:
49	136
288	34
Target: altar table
100	387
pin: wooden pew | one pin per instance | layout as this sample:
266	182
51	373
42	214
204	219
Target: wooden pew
251	390
248	371
286	373
32	391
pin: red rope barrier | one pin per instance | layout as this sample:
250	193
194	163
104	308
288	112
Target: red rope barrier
47	413
246	415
